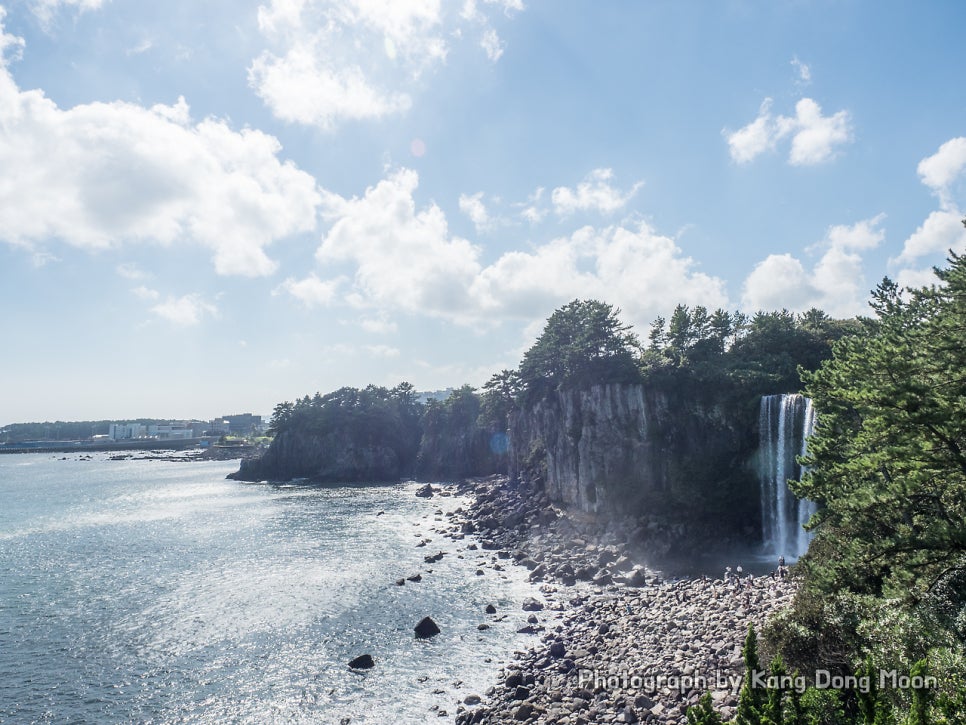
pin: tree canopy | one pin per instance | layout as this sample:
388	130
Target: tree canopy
887	464
583	343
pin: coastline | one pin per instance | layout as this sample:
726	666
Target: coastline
613	641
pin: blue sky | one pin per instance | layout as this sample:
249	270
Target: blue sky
211	207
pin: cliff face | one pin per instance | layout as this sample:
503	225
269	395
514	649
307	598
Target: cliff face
636	449
333	457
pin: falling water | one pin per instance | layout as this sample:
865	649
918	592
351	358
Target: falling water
785	422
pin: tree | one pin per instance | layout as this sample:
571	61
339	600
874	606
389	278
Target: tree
751	698
887	464
703	713
583	343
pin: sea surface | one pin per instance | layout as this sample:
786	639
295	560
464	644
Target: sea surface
158	591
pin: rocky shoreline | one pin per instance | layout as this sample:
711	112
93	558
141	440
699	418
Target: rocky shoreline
614	642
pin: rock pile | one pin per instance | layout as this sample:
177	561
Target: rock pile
616	642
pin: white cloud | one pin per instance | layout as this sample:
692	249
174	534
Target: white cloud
835	284
595	193
803	71
814	138
944	167
341	60
383	350
642	272
130	271
492	45
101	175
942	230
46	9
472	205
146	293
754	139
185	311
532	210
405	258
311	291
299	87
380	325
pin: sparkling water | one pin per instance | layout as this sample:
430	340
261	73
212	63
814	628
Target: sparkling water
158	591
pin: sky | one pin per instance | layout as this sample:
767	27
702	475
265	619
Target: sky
209	208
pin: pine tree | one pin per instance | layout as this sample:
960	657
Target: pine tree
751	698
703	713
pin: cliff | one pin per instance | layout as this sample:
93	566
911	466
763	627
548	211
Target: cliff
337	456
638	449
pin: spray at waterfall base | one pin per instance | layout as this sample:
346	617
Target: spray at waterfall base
650	683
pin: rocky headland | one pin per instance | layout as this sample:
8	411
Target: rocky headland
613	640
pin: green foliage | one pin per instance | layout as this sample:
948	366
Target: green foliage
703	713
583	343
919	710
888	462
353	419
454	443
751	699
499	400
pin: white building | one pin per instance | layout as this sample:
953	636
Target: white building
127	431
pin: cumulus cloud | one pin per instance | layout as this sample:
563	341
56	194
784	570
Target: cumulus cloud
835	284
185	311
814	138
595	193
100	175
404	257
941	170
942	230
310	291
331	61
472	205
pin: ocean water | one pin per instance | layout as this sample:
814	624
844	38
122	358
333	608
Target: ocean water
157	591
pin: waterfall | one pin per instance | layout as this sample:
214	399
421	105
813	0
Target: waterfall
785	422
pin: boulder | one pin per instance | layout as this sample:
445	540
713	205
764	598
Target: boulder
426	628
425	491
362	662
532	605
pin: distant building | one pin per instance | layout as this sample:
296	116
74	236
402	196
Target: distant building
427	395
242	424
158	431
127	431
170	431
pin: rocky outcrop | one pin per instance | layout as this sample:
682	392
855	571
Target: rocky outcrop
636	449
332	457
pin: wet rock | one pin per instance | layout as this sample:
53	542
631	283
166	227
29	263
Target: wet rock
532	605
490	609
426	628
426	491
362	662
557	650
